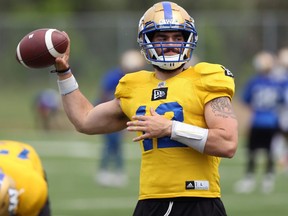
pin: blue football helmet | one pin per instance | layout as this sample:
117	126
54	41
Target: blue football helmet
167	16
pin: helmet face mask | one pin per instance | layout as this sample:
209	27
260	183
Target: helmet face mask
167	17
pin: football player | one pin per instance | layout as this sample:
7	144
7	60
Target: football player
262	96
23	186
112	162
47	104
184	117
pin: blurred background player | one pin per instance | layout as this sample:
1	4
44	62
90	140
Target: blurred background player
48	105
23	185
262	96
280	142
111	170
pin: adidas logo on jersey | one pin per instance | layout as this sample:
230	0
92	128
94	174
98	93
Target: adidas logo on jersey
190	185
159	93
197	185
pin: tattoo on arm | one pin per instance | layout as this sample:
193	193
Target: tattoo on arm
222	107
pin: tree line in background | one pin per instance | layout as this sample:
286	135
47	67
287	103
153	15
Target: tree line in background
230	32
56	6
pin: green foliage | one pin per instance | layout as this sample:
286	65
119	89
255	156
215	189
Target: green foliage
56	6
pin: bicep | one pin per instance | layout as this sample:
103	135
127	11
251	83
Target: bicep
106	118
223	128
219	113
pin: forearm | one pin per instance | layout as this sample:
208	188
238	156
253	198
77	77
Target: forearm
77	108
104	118
75	103
221	143
216	142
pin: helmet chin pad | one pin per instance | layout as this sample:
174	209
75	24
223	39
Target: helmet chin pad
168	62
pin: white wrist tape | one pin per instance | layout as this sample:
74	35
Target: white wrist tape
190	135
68	85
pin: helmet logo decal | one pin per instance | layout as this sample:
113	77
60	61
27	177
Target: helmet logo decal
168	21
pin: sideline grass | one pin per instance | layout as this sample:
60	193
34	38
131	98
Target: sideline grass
71	161
73	191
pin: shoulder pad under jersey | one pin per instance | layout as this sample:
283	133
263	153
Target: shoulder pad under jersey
215	78
130	81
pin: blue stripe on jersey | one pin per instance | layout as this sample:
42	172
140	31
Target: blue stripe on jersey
4	151
1	177
167	10
24	154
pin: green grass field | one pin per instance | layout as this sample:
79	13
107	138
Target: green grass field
71	160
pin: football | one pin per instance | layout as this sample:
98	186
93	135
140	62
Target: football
39	48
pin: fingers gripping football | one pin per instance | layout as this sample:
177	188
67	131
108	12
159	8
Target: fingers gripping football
62	62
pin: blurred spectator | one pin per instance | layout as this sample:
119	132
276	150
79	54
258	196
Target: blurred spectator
111	171
281	140
262	96
23	185
47	104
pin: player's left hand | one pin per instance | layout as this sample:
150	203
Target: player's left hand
154	126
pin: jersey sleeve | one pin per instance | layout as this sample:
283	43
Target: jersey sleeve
123	88
131	81
216	81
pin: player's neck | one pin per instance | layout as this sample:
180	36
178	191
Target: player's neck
166	74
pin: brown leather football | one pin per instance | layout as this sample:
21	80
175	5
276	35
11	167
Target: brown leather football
39	48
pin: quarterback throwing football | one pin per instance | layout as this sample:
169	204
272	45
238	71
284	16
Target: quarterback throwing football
184	117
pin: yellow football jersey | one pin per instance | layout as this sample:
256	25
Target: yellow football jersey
170	168
21	162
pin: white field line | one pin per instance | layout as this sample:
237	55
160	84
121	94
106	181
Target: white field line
80	149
